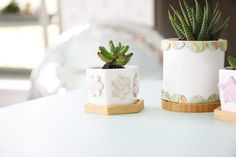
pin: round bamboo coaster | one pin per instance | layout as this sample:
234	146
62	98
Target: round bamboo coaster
185	107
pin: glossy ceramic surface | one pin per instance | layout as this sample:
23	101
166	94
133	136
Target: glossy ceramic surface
227	87
113	86
191	70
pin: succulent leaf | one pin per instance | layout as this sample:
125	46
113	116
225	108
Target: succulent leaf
195	24
189	12
104	50
203	34
232	62
176	27
119	47
104	58
198	17
208	12
120	61
224	24
216	7
184	13
116	58
128	57
217	33
112	47
193	21
124	49
187	31
213	22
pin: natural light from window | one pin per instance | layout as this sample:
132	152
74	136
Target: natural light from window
22	35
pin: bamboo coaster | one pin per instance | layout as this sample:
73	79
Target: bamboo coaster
185	107
115	109
224	115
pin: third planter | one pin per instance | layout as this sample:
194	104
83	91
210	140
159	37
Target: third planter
190	74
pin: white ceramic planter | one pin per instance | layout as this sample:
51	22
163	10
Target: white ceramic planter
190	73
227	87
113	86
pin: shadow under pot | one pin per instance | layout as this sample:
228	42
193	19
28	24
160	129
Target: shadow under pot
190	74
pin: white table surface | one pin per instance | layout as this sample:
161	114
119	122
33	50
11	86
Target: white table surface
57	126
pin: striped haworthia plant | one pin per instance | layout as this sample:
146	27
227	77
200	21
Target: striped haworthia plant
195	23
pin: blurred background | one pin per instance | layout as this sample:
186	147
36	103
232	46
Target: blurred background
36	33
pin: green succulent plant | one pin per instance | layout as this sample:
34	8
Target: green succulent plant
195	23
232	62
116	57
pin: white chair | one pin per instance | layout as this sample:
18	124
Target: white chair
65	65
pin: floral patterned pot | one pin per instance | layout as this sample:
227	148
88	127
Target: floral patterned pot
227	87
113	86
190	74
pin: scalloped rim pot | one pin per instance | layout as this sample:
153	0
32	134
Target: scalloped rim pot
190	73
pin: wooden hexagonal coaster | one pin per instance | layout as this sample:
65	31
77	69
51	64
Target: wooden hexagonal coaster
224	115
115	109
185	107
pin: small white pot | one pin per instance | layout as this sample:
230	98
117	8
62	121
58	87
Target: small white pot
113	86
227	87
190	73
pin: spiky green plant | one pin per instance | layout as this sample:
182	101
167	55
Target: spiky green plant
232	62
116	57
195	23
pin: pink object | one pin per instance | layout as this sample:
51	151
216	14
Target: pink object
229	90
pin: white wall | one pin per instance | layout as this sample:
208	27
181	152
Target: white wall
75	12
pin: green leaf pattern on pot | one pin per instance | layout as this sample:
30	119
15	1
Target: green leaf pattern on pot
195	46
165	45
197	99
183	99
174	98
95	87
165	96
180	98
223	45
177	45
135	85
120	87
213	98
212	45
